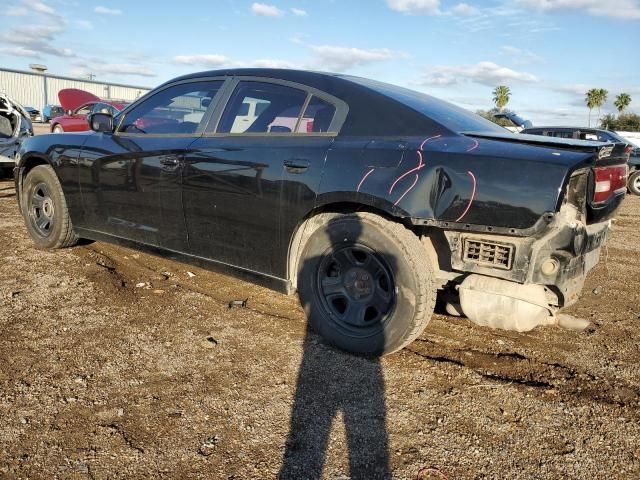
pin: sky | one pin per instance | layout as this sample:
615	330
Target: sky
549	52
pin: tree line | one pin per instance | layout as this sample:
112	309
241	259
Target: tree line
594	98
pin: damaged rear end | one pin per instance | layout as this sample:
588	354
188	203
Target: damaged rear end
520	282
15	126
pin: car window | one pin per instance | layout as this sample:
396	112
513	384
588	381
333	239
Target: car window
84	109
102	108
178	109
450	116
317	116
260	107
610	137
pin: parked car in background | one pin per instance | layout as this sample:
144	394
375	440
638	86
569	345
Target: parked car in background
600	135
518	122
364	197
34	114
634	171
50	112
15	126
78	104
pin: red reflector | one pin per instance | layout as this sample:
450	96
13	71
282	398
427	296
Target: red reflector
608	181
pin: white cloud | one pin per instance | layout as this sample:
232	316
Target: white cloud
119	69
19	52
270	63
265	10
344	58
465	9
84	24
623	9
42	32
578	89
202	60
485	73
39	7
298	12
35	39
522	57
107	11
415	7
15	12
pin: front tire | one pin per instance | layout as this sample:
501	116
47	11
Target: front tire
634	182
45	210
365	282
57	129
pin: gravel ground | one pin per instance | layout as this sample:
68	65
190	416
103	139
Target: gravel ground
117	364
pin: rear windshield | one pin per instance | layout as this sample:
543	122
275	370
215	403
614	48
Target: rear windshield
454	118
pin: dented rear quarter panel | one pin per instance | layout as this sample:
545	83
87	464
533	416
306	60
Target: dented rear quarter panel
449	177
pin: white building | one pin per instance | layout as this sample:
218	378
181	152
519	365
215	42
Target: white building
37	89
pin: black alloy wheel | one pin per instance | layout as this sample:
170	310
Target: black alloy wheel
41	210
357	289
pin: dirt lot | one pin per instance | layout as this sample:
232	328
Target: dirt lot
116	364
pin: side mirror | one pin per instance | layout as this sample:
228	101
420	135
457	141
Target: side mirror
100	122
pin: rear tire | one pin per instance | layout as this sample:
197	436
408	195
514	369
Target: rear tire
634	182
365	283
57	129
45	209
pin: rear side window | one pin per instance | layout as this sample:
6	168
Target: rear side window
178	109
452	117
317	116
260	107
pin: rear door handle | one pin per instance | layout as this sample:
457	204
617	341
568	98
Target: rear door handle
296	165
170	161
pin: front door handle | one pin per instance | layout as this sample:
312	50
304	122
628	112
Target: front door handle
296	165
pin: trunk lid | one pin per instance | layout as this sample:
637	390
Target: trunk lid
604	168
605	151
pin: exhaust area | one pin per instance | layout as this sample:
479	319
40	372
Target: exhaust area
496	303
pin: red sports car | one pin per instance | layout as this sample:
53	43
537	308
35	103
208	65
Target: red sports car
78	104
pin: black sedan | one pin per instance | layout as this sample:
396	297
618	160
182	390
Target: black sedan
364	197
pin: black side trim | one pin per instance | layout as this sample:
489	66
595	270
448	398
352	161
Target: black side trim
267	281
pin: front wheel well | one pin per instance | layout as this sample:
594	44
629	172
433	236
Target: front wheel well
30	162
26	165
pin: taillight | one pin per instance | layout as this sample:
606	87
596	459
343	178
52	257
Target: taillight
609	181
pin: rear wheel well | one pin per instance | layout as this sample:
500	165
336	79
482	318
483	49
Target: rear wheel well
301	234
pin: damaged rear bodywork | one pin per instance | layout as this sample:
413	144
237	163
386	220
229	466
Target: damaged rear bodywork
15	126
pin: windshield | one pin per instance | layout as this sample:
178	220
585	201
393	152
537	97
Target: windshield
452	117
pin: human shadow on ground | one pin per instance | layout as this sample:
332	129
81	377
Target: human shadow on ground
331	381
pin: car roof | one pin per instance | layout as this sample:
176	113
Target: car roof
375	108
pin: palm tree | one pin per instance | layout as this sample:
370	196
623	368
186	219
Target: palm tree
596	97
501	96
601	99
591	99
622	101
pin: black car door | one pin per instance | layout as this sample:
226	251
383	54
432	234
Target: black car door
249	180
131	180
